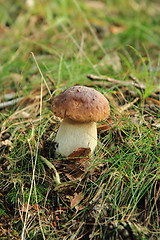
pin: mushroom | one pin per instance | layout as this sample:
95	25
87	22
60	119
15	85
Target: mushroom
80	108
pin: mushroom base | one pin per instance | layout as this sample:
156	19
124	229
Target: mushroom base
73	135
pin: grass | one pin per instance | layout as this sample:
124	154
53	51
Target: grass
45	49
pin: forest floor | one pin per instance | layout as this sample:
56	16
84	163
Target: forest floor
113	47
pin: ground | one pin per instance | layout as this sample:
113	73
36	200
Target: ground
113	47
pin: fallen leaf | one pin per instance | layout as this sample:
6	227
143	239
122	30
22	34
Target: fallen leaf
7	143
35	207
155	101
96	5
76	199
116	28
80	152
156	123
25	207
23	115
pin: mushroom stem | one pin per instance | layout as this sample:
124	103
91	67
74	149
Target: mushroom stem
72	135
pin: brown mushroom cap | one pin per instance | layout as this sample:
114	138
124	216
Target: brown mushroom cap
82	104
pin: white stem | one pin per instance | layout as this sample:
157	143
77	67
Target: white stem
73	135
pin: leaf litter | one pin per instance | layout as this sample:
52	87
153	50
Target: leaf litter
84	207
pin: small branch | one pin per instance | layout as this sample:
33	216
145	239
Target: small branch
50	79
10	103
112	80
128	105
132	77
9	96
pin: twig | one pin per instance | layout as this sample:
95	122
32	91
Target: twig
112	80
50	79
9	96
10	103
132	77
128	105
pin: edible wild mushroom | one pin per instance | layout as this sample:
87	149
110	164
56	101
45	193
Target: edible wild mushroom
80	108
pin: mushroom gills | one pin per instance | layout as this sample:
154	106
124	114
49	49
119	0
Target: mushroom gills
72	135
